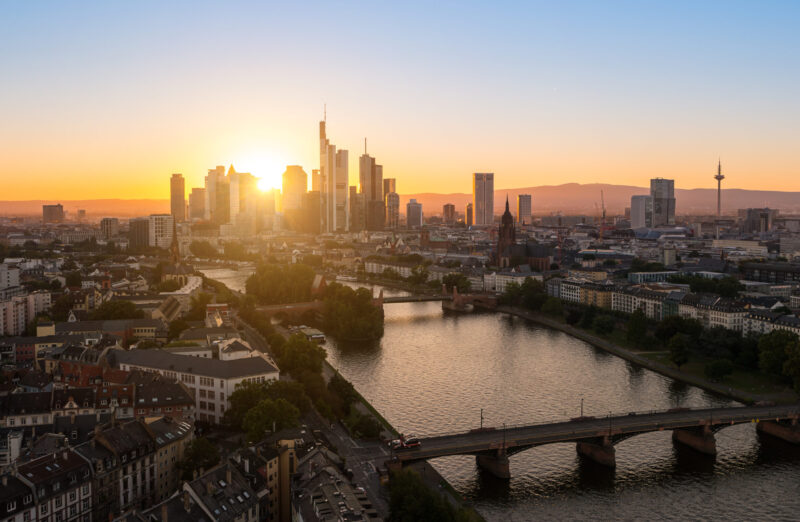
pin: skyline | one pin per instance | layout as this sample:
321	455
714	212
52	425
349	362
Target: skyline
618	99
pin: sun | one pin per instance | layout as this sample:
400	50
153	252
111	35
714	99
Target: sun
267	169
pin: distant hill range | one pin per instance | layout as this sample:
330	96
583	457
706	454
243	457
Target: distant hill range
93	207
574	198
570	198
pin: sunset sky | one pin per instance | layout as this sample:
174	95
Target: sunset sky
107	99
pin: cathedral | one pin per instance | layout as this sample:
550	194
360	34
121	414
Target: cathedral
506	239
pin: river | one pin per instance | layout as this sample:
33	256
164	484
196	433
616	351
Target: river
434	370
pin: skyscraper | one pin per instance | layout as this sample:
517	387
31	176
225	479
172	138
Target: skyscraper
641	212
413	214
524	209
295	183
334	171
662	191
370	176
215	176
138	233
177	197
52	213
483	198
392	203
389	185
197	203
358	220
469	218
316	181
109	227
449	213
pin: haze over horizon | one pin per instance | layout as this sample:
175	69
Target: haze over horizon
104	101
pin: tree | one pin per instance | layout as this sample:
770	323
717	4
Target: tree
175	328
73	279
344	390
269	416
716	370
791	367
116	310
170	285
460	281
552	306
603	324
350	314
678	350
203	249
200	454
774	349
419	275
197	307
300	354
637	327
278	284
410	500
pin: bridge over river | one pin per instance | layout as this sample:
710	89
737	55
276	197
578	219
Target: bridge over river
596	436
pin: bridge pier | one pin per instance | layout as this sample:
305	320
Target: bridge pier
599	450
700	438
495	463
789	433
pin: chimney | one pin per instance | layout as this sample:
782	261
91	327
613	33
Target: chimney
65	455
209	488
247	465
186	501
228	474
163	513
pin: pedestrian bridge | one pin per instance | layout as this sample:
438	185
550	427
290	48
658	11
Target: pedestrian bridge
595	437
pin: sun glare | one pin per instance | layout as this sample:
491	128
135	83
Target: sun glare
267	170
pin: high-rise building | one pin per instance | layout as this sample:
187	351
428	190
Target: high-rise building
413	214
370	176
295	185
524	209
109	227
215	176
177	197
334	172
449	213
311	220
358	219
662	191
392	203
52	213
641	212
757	220
469	217
316	181
197	203
483	198
161	227
222	202
138	234
389	185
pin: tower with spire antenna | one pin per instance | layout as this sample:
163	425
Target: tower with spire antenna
719	177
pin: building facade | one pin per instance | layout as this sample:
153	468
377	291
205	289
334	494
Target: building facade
483	198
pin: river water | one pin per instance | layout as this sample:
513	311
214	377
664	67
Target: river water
434	370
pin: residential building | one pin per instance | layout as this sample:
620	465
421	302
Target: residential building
109	227
62	486
483	198
160	230
210	381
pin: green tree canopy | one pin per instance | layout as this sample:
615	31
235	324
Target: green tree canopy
774	349
678	348
200	454
116	310
637	327
269	416
553	306
278	284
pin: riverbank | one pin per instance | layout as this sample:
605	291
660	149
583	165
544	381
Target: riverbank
645	362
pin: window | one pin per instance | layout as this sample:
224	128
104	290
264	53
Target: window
59	500
11	506
26	516
43	509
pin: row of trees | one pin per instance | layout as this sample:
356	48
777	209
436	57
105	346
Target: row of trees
411	500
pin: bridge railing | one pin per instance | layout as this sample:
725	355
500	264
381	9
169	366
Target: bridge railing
792	410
